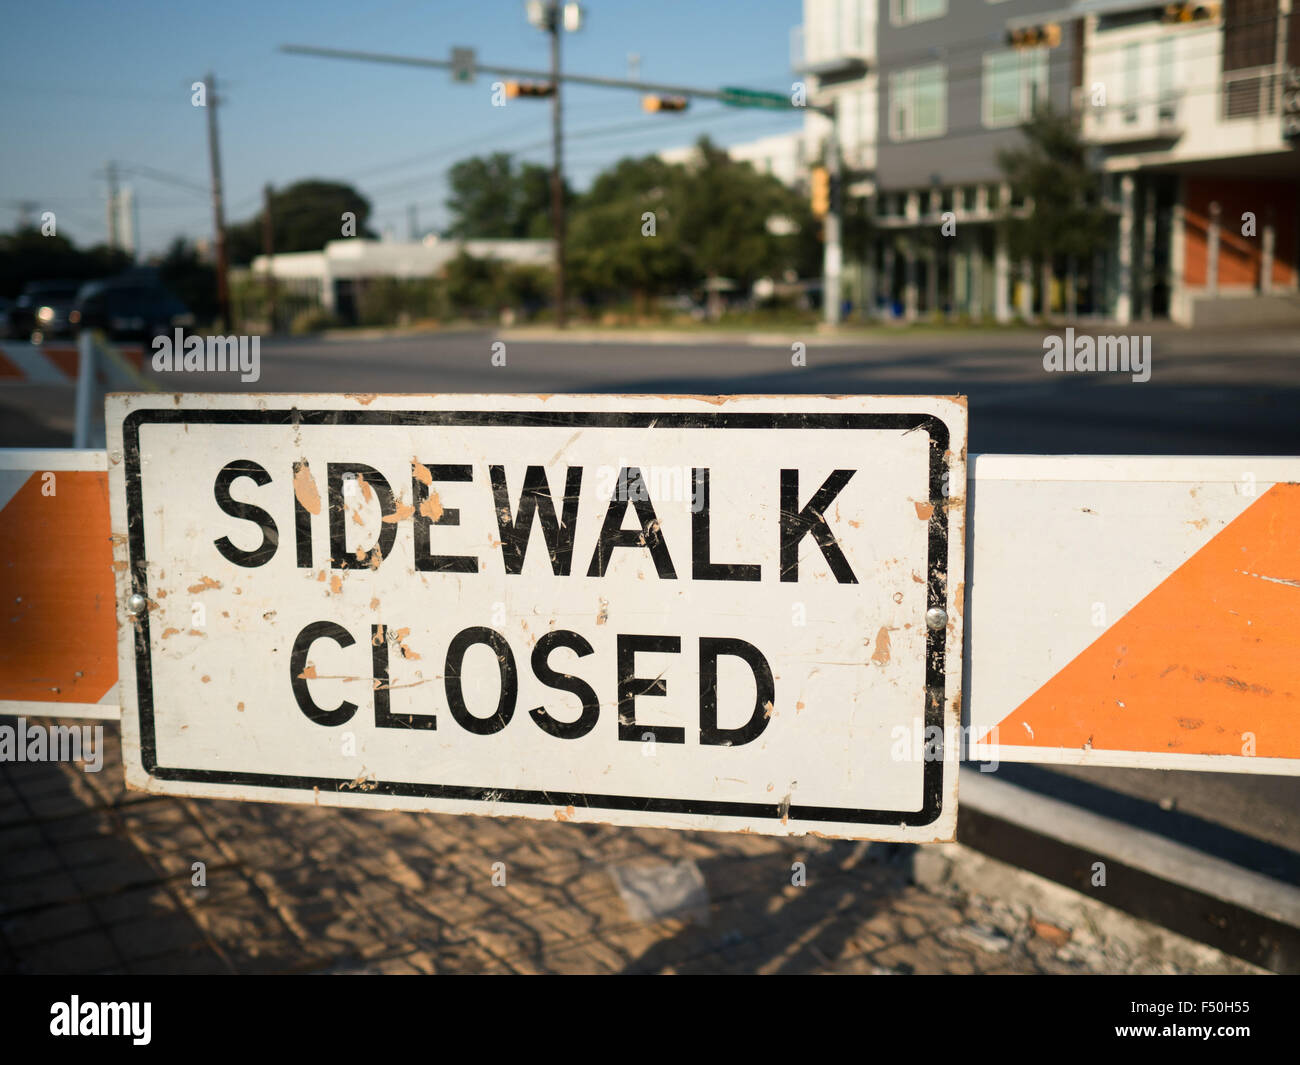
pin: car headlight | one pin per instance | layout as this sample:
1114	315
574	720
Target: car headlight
45	314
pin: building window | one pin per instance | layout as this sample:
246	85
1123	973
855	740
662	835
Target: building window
1166	80
905	12
1015	85
1132	79
917	103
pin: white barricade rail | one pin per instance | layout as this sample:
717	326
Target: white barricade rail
1133	611
57	630
1127	611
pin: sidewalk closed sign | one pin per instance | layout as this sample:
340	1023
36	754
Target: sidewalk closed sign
738	614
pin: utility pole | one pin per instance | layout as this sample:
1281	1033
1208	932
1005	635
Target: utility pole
554	18
833	252
268	250
557	171
114	242
218	208
413	222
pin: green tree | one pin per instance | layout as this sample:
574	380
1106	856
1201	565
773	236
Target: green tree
492	198
624	236
726	219
304	216
1068	222
472	286
189	278
26	255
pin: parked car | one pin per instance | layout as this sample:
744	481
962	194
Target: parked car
43	310
130	308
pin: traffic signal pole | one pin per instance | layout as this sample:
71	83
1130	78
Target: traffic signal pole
557	172
832	250
833	254
218	205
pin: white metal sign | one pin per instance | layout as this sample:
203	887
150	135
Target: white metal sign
732	613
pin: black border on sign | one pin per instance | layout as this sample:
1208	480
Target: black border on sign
936	586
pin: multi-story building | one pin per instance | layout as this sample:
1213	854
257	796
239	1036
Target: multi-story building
1187	105
834	53
1188	122
953	94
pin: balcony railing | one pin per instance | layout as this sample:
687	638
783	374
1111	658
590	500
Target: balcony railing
1251	93
819	56
1138	120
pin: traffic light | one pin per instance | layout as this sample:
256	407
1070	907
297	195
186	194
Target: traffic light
529	88
653	104
820	187
1035	36
1189	12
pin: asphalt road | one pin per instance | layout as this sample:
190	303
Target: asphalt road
1210	392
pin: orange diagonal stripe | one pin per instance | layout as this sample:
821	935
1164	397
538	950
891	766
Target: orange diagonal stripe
1212	654
57	627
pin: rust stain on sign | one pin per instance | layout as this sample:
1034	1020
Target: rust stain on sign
204	584
924	510
304	488
399	638
431	508
881	654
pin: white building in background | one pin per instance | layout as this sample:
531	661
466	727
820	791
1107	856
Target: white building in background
333	273
783	155
1197	124
834	51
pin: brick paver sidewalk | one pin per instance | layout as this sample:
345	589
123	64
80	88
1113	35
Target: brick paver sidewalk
94	878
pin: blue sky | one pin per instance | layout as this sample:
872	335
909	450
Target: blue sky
84	82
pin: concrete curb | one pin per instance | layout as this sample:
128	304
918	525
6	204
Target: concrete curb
1235	910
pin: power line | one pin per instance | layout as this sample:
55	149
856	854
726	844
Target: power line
154	174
